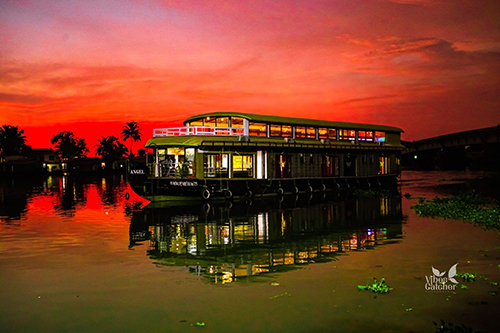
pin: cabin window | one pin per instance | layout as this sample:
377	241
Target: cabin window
286	131
243	166
379	136
209	121
330	166
300	132
223	122
257	129
383	165
352	135
215	165
332	134
311	133
189	162
196	123
275	130
322	133
343	135
365	136
283	166
237	122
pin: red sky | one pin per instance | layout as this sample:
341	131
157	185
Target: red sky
430	67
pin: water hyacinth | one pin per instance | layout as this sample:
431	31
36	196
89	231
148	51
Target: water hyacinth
466	206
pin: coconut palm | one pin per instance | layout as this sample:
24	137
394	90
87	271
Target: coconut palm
12	141
68	146
110	148
131	131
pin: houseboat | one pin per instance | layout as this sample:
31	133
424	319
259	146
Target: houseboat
232	155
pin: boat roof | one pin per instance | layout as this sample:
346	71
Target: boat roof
295	121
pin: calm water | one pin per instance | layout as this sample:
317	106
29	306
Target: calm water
75	255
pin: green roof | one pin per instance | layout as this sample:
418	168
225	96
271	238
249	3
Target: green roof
295	121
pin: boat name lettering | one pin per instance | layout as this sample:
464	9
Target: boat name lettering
137	172
183	183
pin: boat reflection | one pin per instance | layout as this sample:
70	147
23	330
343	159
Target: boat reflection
233	241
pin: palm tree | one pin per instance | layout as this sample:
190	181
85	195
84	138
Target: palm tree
68	146
110	148
131	131
12	141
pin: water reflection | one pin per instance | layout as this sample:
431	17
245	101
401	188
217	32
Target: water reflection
233	241
60	194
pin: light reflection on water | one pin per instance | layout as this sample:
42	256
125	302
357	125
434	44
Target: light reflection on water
76	255
232	241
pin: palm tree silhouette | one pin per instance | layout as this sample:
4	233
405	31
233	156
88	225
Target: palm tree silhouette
110	148
131	131
12	141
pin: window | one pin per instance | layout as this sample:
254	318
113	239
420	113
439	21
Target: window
332	134
322	133
311	133
383	165
352	135
275	130
286	131
300	132
223	122
237	122
343	135
379	136
209	121
242	166
196	123
215	165
257	129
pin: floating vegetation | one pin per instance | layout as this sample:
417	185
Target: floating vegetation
198	324
467	277
451	328
377	287
466	206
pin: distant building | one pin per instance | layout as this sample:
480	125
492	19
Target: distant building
477	149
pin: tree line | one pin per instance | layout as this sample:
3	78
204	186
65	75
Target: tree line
67	146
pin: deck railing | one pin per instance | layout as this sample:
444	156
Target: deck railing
197	130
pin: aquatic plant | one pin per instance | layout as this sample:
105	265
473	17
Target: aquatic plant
451	328
467	277
466	206
377	287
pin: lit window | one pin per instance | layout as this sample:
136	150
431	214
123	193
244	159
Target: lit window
352	135
332	134
379	136
311	133
257	129
223	122
322	133
286	131
343	135
242	166
300	132
275	130
237	122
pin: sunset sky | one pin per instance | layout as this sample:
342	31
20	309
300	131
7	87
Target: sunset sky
430	67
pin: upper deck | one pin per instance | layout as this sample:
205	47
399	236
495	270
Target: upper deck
234	124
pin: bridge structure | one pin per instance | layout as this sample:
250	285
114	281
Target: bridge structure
477	149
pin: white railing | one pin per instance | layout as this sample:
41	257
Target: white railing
197	130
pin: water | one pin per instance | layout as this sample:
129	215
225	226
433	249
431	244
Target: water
75	255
